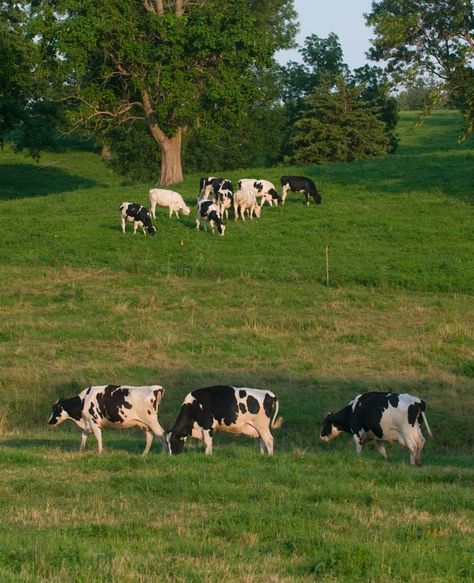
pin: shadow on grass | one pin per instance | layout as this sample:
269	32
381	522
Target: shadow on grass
303	405
27	180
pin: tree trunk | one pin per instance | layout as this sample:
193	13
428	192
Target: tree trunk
105	152
171	169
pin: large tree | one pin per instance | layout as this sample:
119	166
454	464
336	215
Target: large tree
434	37
338	125
170	64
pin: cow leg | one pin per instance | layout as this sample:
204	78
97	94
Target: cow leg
306	197
207	440
153	209
123	225
84	435
381	449
266	442
148	442
359	442
160	432
284	193
198	224
98	435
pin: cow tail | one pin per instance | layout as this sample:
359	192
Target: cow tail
276	421
426	424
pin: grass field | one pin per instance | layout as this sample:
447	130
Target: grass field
83	304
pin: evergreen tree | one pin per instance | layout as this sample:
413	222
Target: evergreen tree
338	125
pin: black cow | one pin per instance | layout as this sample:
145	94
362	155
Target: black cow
382	417
139	215
299	184
238	410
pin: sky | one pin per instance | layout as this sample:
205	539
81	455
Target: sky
344	17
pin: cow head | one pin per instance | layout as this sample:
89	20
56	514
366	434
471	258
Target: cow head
185	210
151	229
175	442
257	211
329	430
67	409
58	414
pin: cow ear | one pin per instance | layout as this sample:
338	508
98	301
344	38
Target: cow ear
329	414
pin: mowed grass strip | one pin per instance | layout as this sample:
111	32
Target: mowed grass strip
83	304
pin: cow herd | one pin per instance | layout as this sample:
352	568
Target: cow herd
378	416
216	197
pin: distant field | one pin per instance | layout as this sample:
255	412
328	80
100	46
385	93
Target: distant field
83	304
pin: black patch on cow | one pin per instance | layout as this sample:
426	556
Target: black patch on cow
110	401
393	399
219	403
258	186
213	216
274	193
242	408
154	401
73	407
268	402
253	405
242	393
149	412
88	390
92	412
204	207
414	411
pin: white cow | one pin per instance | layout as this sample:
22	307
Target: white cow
245	200
112	406
173	200
263	189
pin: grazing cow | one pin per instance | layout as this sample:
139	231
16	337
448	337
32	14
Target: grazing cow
112	406
245	199
382	417
208	212
238	410
173	200
299	184
140	217
263	189
221	189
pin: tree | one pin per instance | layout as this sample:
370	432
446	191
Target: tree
165	64
421	94
338	125
24	105
434	37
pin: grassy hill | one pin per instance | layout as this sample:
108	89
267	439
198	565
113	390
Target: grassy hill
84	304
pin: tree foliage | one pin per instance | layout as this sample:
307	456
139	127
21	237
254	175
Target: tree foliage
434	37
170	64
338	125
24	90
324	76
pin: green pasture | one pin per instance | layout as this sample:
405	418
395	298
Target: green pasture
83	304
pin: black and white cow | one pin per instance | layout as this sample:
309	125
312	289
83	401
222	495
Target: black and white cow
209	212
263	189
238	410
221	190
382	417
139	215
299	184
113	406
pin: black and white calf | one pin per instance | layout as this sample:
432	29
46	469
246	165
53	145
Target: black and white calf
112	406
221	190
208	212
299	184
238	410
382	417
138	215
263	189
